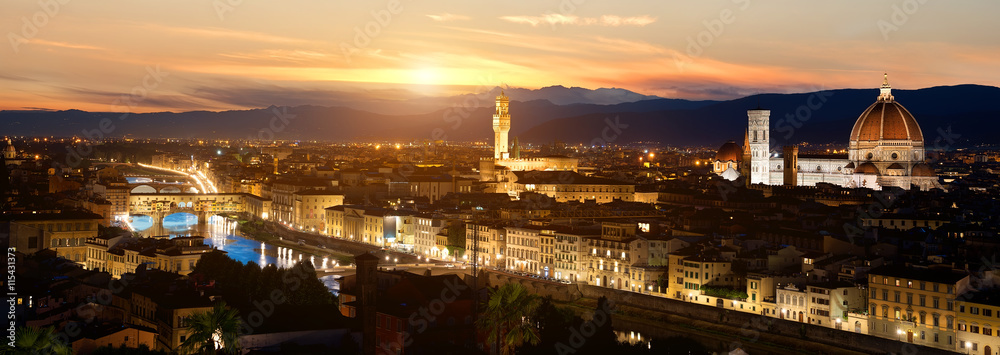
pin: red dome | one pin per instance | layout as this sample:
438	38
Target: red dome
729	152
886	120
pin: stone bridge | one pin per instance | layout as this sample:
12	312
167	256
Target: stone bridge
159	205
159	187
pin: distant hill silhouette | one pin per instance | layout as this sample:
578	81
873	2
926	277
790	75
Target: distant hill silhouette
968	110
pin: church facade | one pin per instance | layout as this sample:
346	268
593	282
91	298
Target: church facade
886	149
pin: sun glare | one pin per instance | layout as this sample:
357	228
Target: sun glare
426	76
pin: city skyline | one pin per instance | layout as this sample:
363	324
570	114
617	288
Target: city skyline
233	55
483	178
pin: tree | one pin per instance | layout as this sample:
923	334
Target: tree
221	324
456	234
33	340
554	324
305	288
506	317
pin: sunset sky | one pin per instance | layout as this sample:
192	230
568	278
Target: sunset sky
185	55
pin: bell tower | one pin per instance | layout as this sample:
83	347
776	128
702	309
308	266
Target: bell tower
758	132
501	126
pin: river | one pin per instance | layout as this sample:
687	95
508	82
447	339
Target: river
221	233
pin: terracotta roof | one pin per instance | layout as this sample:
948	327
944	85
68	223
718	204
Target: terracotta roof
729	152
867	168
922	169
886	120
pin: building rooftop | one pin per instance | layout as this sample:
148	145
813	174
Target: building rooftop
561	178
53	215
989	297
939	275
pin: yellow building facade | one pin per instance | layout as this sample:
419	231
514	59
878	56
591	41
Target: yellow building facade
915	305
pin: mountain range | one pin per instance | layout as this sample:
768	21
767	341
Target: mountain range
962	115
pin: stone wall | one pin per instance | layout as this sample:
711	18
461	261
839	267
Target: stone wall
748	323
558	291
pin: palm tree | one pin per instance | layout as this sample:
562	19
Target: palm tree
505	317
33	340
220	325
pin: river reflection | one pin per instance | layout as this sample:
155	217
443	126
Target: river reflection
221	233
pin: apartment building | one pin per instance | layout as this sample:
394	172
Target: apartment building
569	250
978	320
492	243
424	241
524	249
309	206
830	303
65	232
915	304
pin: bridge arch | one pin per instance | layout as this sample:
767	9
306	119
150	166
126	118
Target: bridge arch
141	222
170	190
180	220
143	189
